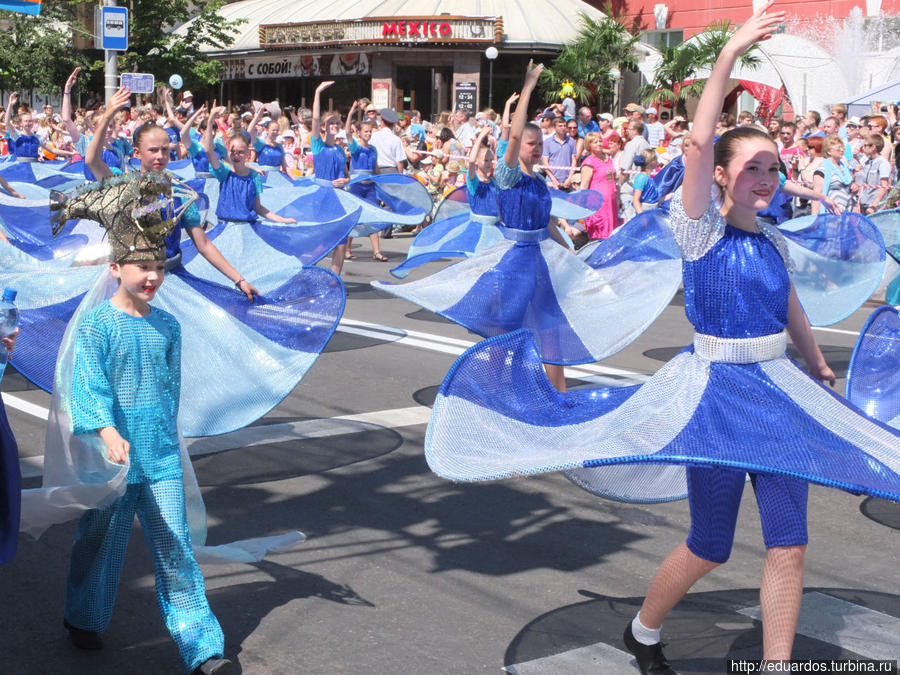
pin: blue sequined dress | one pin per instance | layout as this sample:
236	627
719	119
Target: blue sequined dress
732	400
528	280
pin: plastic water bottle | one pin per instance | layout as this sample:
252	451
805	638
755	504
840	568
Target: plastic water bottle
9	320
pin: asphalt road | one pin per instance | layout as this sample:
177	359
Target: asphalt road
404	572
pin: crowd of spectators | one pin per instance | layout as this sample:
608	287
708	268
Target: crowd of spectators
853	160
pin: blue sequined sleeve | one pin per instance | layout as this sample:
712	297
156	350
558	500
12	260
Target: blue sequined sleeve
257	181
221	173
191	217
505	175
92	395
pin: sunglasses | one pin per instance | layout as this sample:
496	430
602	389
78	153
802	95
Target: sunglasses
873	126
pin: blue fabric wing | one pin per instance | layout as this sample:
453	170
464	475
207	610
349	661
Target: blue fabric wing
455	203
839	262
462	235
873	379
574	205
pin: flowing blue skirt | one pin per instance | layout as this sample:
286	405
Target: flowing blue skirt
497	416
568	306
239	360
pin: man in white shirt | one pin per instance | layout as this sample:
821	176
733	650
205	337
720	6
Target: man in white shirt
656	133
465	132
391	154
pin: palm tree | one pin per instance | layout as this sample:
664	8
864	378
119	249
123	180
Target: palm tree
678	76
601	46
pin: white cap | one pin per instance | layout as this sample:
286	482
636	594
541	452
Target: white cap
855	121
186	94
651	111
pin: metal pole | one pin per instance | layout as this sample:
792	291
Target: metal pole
111	66
491	84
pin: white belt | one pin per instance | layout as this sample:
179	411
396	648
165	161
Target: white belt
740	350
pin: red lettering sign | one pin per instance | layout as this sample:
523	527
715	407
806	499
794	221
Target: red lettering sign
416	28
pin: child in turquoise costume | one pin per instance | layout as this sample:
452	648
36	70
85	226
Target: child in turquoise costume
126	388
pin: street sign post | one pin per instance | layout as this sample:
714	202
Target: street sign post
139	83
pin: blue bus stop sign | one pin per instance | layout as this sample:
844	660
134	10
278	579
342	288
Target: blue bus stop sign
114	28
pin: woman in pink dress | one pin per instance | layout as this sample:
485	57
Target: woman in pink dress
598	173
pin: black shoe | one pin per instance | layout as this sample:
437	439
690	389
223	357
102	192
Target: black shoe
83	639
650	659
213	665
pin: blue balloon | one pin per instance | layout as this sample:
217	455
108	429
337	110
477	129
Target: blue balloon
176	82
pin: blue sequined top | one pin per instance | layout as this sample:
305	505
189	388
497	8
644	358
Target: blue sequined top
362	158
24	145
328	160
199	158
736	283
128	375
190	218
524	200
483	197
237	194
269	156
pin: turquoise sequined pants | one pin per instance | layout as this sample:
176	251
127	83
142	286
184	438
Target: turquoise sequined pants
98	554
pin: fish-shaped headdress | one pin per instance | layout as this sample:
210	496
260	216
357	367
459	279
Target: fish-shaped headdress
137	210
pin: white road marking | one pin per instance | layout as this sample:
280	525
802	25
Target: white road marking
26	406
842	331
861	630
590	660
600	375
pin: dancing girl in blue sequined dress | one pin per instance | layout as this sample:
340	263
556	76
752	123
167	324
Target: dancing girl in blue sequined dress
731	404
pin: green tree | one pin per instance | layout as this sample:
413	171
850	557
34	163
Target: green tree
600	46
685	63
161	52
37	52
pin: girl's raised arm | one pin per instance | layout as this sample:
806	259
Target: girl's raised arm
209	136
257	116
349	120
316	131
66	112
189	123
504	121
698	174
520	117
93	158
